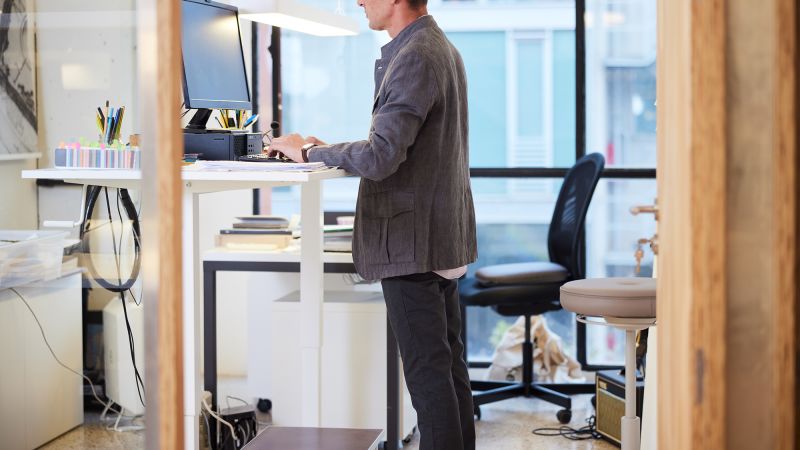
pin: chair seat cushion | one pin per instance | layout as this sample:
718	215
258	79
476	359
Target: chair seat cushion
611	297
522	273
505	298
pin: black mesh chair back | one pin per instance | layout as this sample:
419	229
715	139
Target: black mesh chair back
563	238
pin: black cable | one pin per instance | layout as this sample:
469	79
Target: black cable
119	213
121	230
117	257
92	195
137	376
138	301
580	434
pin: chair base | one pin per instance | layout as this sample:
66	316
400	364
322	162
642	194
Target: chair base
495	391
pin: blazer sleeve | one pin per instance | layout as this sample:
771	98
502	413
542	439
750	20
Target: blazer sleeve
410	92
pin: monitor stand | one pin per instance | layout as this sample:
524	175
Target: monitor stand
197	125
199	120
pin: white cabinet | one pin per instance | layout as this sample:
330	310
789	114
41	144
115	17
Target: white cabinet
353	382
39	399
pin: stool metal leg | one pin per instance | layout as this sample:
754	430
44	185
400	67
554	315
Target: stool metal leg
630	423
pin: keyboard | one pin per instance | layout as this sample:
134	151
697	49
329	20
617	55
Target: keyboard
262	157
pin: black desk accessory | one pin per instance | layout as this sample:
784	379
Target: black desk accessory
221	145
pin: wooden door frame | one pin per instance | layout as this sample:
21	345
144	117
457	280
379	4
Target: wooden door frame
159	70
698	96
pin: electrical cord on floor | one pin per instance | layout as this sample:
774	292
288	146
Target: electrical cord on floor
53	353
580	434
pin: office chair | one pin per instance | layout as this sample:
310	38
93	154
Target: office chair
526	289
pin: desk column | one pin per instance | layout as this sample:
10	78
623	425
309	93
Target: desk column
311	271
191	318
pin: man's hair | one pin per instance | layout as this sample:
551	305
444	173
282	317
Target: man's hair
417	3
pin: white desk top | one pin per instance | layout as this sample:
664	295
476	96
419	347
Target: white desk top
290	254
204	180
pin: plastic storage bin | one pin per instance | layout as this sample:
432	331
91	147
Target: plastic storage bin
30	255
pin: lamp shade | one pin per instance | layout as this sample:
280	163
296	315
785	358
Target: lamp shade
296	16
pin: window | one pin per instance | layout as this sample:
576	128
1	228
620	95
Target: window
621	81
520	58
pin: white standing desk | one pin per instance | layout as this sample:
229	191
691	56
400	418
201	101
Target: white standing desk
311	267
289	260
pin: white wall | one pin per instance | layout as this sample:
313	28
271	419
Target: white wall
17	196
89	35
87	55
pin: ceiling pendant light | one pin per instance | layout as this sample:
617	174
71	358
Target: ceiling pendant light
296	16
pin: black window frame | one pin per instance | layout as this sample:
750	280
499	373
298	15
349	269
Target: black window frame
560	172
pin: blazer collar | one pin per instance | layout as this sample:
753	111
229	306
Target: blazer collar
389	50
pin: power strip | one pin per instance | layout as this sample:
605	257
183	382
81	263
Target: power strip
243	419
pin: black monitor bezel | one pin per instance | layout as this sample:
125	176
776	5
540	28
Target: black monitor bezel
198	104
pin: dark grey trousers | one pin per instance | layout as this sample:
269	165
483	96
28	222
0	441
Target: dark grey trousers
425	316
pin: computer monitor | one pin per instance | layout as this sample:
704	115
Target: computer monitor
214	73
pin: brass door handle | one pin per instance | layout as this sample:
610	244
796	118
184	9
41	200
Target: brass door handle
645	209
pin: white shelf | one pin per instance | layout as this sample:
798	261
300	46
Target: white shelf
198	180
291	254
118	178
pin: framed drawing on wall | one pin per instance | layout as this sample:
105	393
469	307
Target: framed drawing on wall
18	112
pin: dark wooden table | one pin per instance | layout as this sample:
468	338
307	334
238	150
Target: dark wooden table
298	438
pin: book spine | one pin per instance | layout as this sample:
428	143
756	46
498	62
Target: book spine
223	240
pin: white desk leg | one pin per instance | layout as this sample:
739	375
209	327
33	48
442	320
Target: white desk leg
311	271
649	408
191	319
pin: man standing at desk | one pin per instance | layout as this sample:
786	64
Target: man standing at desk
415	220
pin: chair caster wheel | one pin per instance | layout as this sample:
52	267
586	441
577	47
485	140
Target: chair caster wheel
477	412
564	416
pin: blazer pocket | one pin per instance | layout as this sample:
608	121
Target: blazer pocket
389	228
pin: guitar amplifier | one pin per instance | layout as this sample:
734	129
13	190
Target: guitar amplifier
610	403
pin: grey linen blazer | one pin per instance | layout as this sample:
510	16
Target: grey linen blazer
414	212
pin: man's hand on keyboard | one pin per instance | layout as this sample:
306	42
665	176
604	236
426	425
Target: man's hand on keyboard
290	145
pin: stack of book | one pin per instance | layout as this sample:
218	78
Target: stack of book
256	233
338	238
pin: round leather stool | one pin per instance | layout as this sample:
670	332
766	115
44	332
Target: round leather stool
625	303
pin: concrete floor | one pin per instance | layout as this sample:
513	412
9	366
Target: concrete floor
508	425
505	425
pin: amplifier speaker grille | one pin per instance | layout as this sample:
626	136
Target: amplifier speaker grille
610	410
